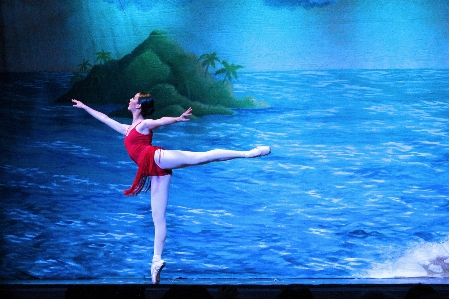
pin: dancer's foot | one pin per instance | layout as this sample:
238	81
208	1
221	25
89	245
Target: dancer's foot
260	151
156	268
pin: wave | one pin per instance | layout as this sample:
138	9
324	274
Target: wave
67	147
425	259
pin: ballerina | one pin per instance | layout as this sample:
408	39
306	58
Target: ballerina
155	164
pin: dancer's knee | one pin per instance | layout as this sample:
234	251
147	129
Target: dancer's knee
159	219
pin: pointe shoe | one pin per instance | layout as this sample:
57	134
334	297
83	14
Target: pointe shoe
264	150
156	269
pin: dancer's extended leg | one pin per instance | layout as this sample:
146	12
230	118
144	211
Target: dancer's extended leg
172	159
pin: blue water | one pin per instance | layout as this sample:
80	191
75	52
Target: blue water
355	187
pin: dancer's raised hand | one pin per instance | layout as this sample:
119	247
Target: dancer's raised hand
186	114
77	104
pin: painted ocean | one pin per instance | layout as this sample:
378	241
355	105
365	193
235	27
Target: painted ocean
356	185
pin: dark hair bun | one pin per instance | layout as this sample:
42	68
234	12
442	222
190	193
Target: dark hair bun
146	103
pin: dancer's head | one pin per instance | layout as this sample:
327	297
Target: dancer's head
146	104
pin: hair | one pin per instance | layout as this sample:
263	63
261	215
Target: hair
377	294
146	102
421	291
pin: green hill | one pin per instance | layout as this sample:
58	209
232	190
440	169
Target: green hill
161	67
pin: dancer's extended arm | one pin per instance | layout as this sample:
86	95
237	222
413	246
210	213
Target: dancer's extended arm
121	128
150	124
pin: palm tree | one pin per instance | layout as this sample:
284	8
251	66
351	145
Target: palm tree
230	70
103	56
85	66
208	60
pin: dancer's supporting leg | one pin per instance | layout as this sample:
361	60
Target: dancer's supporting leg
159	201
169	159
172	159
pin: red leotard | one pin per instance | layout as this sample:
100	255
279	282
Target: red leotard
142	153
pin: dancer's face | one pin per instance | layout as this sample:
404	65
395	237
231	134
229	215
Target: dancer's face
133	103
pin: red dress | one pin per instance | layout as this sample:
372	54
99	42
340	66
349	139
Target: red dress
142	153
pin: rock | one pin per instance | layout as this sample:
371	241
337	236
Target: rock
438	266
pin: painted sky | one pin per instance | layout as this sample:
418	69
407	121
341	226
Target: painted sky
261	35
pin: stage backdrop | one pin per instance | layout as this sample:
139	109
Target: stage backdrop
351	95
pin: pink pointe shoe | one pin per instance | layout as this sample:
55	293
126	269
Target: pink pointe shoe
156	269
264	150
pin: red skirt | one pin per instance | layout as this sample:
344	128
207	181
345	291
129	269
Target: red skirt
147	169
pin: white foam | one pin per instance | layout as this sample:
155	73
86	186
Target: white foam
414	262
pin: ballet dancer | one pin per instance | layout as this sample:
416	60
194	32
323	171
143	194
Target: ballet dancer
155	164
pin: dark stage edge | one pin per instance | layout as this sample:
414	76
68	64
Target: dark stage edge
248	289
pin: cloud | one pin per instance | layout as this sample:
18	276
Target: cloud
297	3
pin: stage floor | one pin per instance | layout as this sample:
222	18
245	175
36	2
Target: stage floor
267	289
239	281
